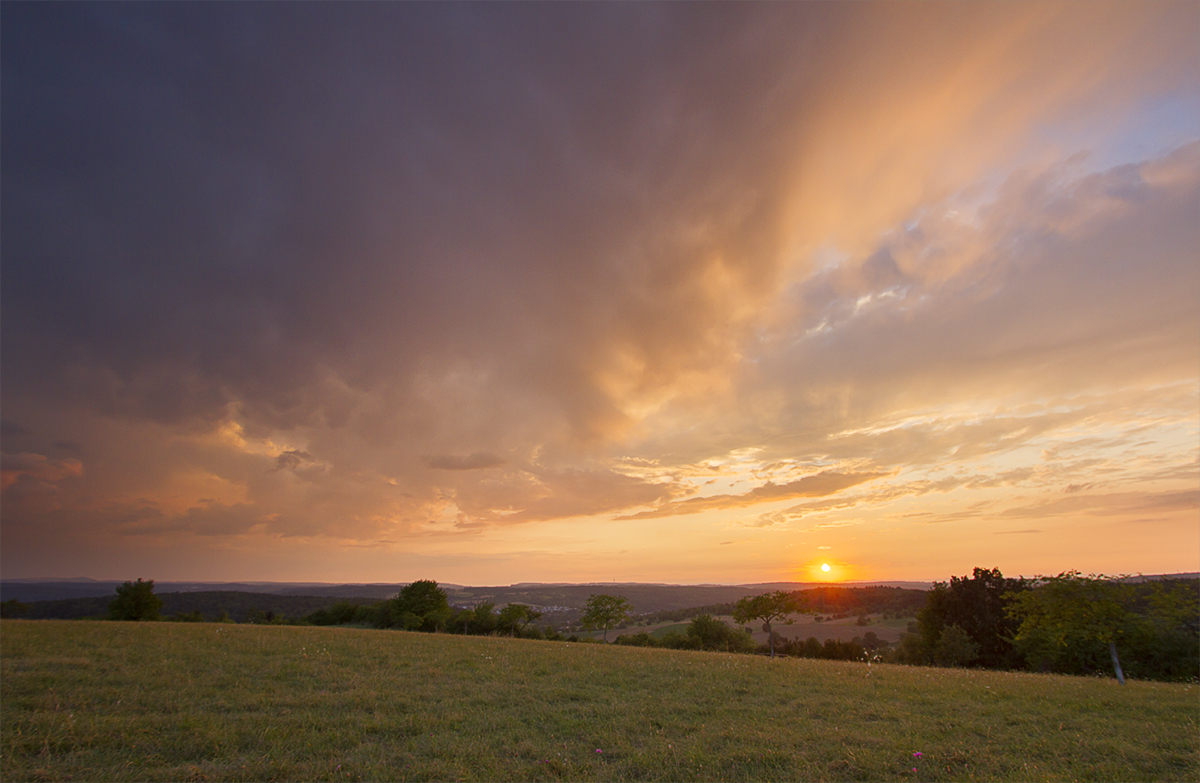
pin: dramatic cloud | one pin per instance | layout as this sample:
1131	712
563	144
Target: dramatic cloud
514	292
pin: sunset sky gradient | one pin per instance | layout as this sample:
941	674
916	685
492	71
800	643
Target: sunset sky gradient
497	293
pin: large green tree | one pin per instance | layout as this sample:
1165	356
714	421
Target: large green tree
605	611
421	605
135	601
977	605
767	607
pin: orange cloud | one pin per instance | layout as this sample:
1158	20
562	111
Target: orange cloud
36	470
818	485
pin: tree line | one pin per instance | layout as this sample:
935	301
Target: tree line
1066	624
1069	623
200	606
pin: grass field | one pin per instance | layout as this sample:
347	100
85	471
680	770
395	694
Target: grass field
659	632
168	701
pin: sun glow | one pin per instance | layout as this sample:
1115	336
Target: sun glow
822	571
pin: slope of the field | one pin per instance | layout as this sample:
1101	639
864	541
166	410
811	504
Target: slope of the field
168	701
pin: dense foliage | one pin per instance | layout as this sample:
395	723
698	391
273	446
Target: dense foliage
1069	624
976	606
1076	624
135	601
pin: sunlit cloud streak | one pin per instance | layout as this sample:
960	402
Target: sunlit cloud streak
827	483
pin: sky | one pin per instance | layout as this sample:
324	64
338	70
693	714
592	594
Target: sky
592	292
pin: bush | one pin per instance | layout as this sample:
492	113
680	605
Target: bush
341	613
713	634
911	650
642	639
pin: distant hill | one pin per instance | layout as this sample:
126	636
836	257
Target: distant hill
50	591
645	597
28	590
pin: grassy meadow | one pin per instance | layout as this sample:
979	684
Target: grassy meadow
179	701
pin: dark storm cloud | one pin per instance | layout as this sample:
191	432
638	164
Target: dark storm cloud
226	205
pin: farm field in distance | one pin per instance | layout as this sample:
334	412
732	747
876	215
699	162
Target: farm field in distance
803	626
86	700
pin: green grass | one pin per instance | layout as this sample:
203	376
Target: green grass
167	701
661	631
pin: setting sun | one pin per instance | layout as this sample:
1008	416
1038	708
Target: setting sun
825	567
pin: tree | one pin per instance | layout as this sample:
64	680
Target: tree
135	601
767	607
1067	622
871	641
460	621
954	648
421	605
514	618
977	605
605	611
483	618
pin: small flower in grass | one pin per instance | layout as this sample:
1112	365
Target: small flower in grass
916	754
598	750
